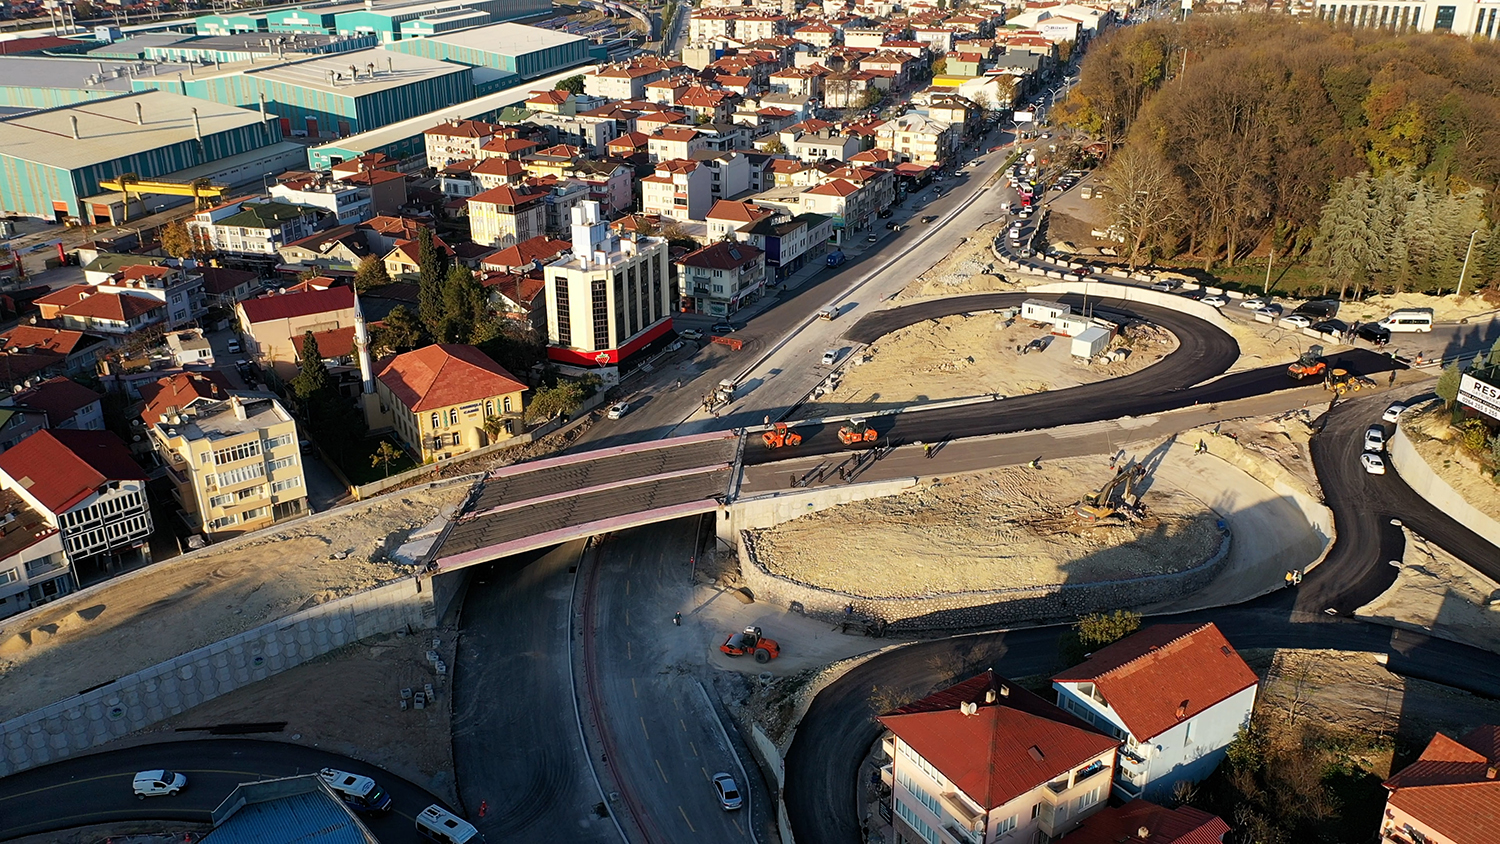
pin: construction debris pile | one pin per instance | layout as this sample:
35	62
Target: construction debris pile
1002	529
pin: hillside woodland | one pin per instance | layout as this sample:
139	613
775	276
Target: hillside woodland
1370	156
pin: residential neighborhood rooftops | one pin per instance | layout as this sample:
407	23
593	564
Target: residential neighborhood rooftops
1164	674
59	398
1012	743
288	305
63	467
181	391
1143	822
721	255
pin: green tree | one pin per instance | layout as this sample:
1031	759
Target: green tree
463	306
564	397
1096	630
940	66
371	274
385	453
312	377
1447	385
432	265
177	241
1493	358
400	331
774	147
573	85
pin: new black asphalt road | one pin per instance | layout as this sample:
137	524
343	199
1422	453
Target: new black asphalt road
96	788
1204	352
823	761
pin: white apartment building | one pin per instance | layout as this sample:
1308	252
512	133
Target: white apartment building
253	227
610	297
1461	17
345	202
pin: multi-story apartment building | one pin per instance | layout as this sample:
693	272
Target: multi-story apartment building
85	486
788	241
628	80
345	203
680	190
610	297
720	277
61	403
177	285
457	140
986	760
234	464
440	401
1460	17
1175	694
506	215
273	326
34	566
916	139
253	228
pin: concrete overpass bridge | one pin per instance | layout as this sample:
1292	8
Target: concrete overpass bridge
544	502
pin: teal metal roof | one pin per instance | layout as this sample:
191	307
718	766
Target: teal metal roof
310	818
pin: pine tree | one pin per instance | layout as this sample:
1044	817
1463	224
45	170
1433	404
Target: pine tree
463	305
313	378
371	274
1448	383
1493	358
399	332
432	271
1417	238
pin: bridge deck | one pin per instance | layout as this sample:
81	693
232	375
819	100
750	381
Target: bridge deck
474	539
607	468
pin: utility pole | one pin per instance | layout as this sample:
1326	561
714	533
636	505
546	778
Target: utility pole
1270	254
1467	254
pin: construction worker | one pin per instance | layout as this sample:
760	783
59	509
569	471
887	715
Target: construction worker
1202	447
927	451
677	619
1036	462
1393	377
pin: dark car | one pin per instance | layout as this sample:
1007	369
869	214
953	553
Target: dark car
1331	326
722	327
1372	333
884	214
1195	295
1319	309
929	218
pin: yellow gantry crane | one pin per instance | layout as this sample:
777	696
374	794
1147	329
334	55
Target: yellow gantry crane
203	191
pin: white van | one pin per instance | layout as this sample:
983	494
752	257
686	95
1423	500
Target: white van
440	826
1411	319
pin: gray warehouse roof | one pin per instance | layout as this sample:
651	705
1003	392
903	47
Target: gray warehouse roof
107	128
90	74
392	70
507	39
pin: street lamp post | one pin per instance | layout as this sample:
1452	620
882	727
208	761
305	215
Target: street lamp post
1467	254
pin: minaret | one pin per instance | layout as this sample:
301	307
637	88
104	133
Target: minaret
362	347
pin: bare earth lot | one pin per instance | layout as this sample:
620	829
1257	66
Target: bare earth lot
168	609
1429	433
1436	592
971	268
962	356
1001	529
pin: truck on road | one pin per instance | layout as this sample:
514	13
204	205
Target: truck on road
835	257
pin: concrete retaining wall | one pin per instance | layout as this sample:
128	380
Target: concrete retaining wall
100	715
1420	477
768	511
1131	293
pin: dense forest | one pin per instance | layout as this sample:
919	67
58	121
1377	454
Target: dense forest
1372	156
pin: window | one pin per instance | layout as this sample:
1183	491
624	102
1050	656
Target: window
507	404
250	492
917	791
289	483
436	421
452	416
1036	810
234	454
224	522
242	474
1010	823
283	463
489	408
257	513
9	576
279	442
457	439
1086	799
917	824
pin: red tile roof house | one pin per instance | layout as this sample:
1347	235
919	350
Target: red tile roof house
65	404
1450	795
273	325
989	761
437	399
1175	694
85	484
1142	822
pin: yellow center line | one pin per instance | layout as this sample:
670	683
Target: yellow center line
685	818
662	771
643	728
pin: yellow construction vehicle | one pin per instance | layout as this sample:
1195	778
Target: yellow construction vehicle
1104	502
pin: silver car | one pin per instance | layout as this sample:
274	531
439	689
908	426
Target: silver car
729	793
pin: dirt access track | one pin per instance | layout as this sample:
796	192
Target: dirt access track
157	613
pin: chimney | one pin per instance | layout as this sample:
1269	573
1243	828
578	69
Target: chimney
989	696
73	118
1143	833
1489	773
239	408
197	127
140	117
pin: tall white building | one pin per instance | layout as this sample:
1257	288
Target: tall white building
610	297
1460	17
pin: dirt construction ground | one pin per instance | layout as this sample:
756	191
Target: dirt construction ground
1435	592
971	268
165	610
1435	441
962	356
1007	528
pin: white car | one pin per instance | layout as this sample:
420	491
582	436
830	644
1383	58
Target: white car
1375	439
1296	321
1217	300
1372	463
1393	413
1254	303
1273	311
157	783
728	792
618	410
830	356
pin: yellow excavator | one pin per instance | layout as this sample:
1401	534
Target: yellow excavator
1113	499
